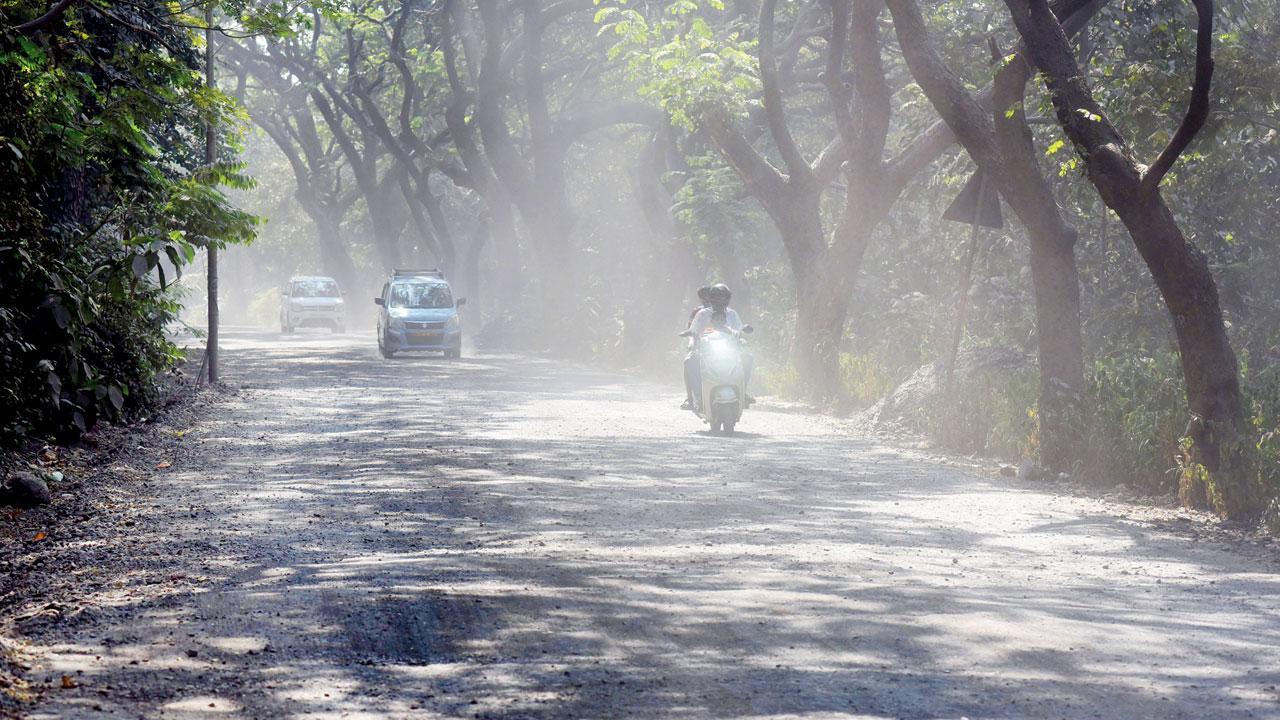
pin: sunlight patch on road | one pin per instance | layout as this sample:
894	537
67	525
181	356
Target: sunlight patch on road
203	705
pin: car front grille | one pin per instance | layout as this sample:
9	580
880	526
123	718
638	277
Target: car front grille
424	325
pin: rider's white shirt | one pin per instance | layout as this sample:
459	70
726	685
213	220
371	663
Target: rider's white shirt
702	321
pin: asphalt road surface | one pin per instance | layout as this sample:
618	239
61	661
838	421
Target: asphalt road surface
506	537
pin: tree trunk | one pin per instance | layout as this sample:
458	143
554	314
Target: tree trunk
1001	144
1220	459
1217	429
334	257
1059	345
822	302
386	234
509	275
1054	276
425	244
821	311
477	303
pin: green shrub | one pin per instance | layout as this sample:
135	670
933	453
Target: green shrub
1137	414
866	378
989	412
106	198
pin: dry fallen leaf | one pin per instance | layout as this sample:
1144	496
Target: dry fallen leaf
163	465
39	536
68	682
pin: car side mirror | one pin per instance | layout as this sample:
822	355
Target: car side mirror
461	302
379	301
747	329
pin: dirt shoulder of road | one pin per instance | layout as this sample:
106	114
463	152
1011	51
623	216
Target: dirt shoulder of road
1156	512
69	558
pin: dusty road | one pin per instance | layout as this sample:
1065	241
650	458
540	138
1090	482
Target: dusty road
512	538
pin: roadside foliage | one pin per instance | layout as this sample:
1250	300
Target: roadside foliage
107	198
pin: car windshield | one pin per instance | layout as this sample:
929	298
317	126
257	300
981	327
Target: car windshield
315	289
421	296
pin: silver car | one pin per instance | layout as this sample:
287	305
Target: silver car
312	301
417	312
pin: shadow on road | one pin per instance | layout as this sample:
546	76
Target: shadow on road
509	537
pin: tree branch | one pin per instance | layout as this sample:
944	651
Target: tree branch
774	110
762	179
967	118
1198	109
490	82
1082	118
826	167
34	26
875	100
833	76
962	111
916	156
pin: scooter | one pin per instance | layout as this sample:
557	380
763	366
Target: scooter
723	370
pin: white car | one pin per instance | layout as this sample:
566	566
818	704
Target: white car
312	301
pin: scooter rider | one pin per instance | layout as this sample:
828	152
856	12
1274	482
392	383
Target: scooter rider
717	316
718	296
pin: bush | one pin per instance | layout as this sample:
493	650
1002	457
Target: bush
106	198
989	412
866	378
1137	412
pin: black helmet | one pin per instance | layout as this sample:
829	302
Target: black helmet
704	293
719	294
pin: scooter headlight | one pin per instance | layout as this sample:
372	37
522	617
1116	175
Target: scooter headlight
721	361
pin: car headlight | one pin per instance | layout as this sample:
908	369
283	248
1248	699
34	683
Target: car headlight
453	324
395	323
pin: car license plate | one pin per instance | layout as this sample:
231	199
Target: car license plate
424	338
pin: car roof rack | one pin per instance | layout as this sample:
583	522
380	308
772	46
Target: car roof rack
418	272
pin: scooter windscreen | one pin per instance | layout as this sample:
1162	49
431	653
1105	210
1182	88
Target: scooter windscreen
721	355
